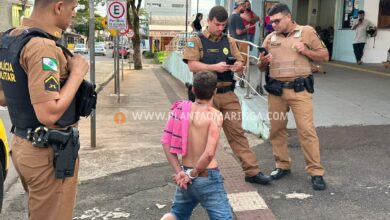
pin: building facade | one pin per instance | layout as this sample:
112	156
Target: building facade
167	19
11	12
338	14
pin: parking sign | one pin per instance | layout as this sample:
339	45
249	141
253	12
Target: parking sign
116	14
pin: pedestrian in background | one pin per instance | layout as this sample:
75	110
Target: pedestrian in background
360	26
40	99
250	18
290	84
213	51
196	26
236	26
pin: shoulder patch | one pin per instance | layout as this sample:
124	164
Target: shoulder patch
49	64
191	44
52	84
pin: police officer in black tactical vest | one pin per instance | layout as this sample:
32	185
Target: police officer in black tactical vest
213	51
40	82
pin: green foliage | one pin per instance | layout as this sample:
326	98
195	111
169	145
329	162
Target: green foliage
81	22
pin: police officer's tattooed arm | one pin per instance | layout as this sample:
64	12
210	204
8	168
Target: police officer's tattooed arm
264	61
49	112
2	97
197	66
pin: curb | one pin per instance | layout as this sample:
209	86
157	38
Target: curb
362	69
101	86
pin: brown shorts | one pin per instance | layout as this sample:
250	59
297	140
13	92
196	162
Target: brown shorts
48	197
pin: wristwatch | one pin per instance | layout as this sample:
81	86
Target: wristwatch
188	173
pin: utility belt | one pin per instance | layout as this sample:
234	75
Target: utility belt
65	144
229	88
222	89
275	87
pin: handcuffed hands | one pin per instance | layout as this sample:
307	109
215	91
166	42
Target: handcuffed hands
181	180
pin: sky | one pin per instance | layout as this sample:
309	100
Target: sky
204	7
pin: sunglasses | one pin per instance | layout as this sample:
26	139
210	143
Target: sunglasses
276	21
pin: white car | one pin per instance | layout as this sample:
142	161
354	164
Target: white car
100	50
80	48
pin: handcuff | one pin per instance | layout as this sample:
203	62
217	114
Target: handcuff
188	173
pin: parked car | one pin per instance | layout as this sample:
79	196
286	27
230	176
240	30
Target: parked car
122	51
100	50
100	44
80	48
4	160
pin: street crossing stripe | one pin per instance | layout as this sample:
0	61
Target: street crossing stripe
49	64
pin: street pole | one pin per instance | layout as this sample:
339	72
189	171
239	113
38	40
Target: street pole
197	6
92	66
186	18
118	69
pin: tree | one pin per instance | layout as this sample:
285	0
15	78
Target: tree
81	22
133	19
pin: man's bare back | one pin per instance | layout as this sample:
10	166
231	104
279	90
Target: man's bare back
203	134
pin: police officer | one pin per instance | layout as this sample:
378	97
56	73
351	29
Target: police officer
290	84
209	51
40	87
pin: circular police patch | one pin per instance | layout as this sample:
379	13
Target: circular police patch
191	44
225	51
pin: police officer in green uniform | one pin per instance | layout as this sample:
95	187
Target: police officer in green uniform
213	51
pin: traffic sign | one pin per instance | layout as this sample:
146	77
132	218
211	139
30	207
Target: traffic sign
104	24
124	31
116	14
130	33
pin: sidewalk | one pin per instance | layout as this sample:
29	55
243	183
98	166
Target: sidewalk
124	138
127	174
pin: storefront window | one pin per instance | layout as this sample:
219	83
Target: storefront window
384	14
350	12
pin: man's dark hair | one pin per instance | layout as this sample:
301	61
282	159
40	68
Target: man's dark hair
219	13
279	8
40	3
361	12
204	84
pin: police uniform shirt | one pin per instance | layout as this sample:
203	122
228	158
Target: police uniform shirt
308	36
43	62
194	48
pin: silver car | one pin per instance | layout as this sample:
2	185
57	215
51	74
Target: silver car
100	50
80	48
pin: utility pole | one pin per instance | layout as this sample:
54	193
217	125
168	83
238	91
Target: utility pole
92	66
197	6
186	18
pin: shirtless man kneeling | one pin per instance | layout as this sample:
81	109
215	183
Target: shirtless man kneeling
198	178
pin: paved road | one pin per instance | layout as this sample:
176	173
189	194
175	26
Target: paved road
343	97
127	171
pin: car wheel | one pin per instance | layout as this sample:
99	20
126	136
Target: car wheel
1	186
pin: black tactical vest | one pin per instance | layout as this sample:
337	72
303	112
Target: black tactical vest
15	82
213	52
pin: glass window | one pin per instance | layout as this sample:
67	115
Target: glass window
350	12
384	14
